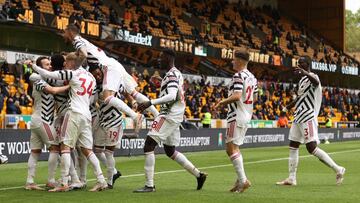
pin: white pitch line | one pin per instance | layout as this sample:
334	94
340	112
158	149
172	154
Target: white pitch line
206	167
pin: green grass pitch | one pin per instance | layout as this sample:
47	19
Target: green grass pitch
264	166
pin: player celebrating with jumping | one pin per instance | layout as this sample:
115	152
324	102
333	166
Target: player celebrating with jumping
115	75
305	125
240	99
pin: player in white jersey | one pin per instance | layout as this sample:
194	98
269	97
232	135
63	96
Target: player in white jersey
42	129
107	127
76	128
166	126
114	75
241	95
62	105
305	125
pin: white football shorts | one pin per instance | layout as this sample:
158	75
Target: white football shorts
165	131
235	134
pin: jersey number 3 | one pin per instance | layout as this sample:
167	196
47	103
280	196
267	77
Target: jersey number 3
85	90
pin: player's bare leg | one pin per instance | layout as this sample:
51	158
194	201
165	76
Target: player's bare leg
186	164
293	164
32	162
121	106
313	149
53	160
242	183
93	160
149	167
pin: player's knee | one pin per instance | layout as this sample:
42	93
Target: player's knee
311	147
169	150
107	94
110	148
36	151
150	144
294	144
54	149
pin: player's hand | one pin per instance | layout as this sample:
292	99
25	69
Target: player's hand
142	106
134	105
28	62
299	71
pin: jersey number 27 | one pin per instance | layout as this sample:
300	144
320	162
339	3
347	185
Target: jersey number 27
249	92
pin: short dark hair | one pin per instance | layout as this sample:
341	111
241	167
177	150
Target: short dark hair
57	61
93	66
169	52
305	59
242	54
39	59
75	28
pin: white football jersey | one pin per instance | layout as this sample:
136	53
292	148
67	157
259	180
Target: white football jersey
174	110
95	54
44	104
62	99
308	102
242	110
108	116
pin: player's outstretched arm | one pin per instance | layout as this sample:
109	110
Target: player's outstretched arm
236	96
56	90
170	97
58	75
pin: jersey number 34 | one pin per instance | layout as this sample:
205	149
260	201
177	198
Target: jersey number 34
85	89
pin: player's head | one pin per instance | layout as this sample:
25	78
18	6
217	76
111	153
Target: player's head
57	61
241	59
43	62
73	61
304	62
97	73
167	58
70	32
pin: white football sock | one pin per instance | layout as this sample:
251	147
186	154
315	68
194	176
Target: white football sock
32	162
237	161
149	168
184	162
72	172
293	162
326	159
65	167
96	167
110	165
99	152
140	98
121	106
82	160
52	165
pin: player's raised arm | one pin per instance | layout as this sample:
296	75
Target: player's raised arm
58	75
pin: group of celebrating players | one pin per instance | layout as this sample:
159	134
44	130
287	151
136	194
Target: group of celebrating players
78	114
